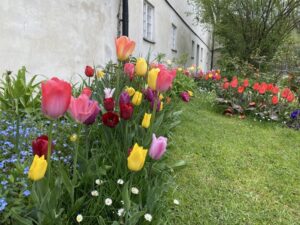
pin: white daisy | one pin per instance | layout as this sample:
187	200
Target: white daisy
108	201
121	212
99	182
79	218
120	181
148	217
134	190
95	193
176	202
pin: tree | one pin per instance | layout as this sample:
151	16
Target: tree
247	27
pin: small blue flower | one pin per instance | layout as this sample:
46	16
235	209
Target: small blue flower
4	182
295	114
3	204
26	170
26	193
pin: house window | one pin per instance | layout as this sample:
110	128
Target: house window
201	55
148	21
193	50
174	31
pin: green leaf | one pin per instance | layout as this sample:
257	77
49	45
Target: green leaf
125	196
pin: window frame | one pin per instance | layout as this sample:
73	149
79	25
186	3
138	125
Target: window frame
147	38
174	37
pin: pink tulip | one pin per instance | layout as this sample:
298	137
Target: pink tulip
84	110
185	96
158	147
129	70
56	97
164	79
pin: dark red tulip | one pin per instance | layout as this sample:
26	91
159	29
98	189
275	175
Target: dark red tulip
40	146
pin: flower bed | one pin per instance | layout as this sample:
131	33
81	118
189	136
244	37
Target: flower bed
94	154
267	101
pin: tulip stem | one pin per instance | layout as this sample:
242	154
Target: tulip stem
49	148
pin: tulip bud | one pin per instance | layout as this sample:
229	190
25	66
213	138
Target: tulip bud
89	71
130	91
38	168
40	146
137	98
129	70
136	158
152	77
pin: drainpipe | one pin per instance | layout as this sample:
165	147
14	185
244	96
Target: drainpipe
125	17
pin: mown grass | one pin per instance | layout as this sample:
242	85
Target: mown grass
238	171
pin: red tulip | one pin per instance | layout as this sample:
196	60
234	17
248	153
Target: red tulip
56	97
126	111
290	97
40	146
246	83
124	47
129	70
262	88
234	83
285	92
275	90
109	104
87	91
270	87
89	71
241	89
226	85
256	86
274	100
164	79
185	96
84	110
110	119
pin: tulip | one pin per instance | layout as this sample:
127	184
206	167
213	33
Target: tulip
256	86
124	98
285	92
84	110
126	111
38	168
274	100
87	91
165	79
262	88
129	70
110	119
152	77
109	104
137	98
141	67
246	83
158	147
124	47
234	83
158	104
149	94
161	97
40	146
161	106
241	89
191	94
56	97
130	91
89	71
226	85
185	96
275	90
136	158
146	120
290	97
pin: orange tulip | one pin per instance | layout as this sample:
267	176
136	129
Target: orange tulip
124	47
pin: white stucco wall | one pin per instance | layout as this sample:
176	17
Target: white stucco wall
164	17
59	38
56	37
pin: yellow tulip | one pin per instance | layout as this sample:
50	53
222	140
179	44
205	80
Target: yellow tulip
130	91
38	168
161	106
141	67
152	77
100	74
137	157
137	98
191	93
146	120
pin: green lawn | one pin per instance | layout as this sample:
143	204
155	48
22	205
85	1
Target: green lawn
238	171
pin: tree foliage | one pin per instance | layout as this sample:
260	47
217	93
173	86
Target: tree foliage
244	28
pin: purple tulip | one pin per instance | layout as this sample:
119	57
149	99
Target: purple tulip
157	106
185	96
158	147
124	98
149	94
